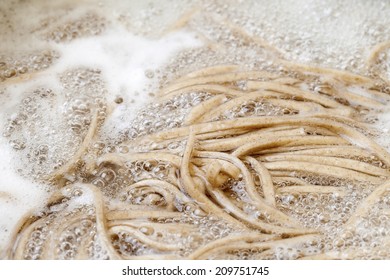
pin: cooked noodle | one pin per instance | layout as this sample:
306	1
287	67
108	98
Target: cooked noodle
240	153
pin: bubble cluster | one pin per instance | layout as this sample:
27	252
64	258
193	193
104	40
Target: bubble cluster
33	249
71	225
13	65
171	114
87	25
112	180
127	245
331	212
47	132
256	108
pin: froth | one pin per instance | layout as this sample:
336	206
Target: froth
124	59
129	66
18	196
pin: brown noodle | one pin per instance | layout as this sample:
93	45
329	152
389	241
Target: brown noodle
317	134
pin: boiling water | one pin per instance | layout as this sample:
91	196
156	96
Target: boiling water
61	61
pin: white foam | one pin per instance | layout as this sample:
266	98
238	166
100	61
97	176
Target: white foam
123	57
18	196
86	198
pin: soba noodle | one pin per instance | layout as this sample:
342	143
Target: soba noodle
240	154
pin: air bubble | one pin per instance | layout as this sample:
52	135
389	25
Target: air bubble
146	230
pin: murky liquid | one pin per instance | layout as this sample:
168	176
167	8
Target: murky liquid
60	63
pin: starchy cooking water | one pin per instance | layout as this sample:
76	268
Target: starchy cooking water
67	66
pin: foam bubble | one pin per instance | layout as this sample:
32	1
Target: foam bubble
125	59
18	196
